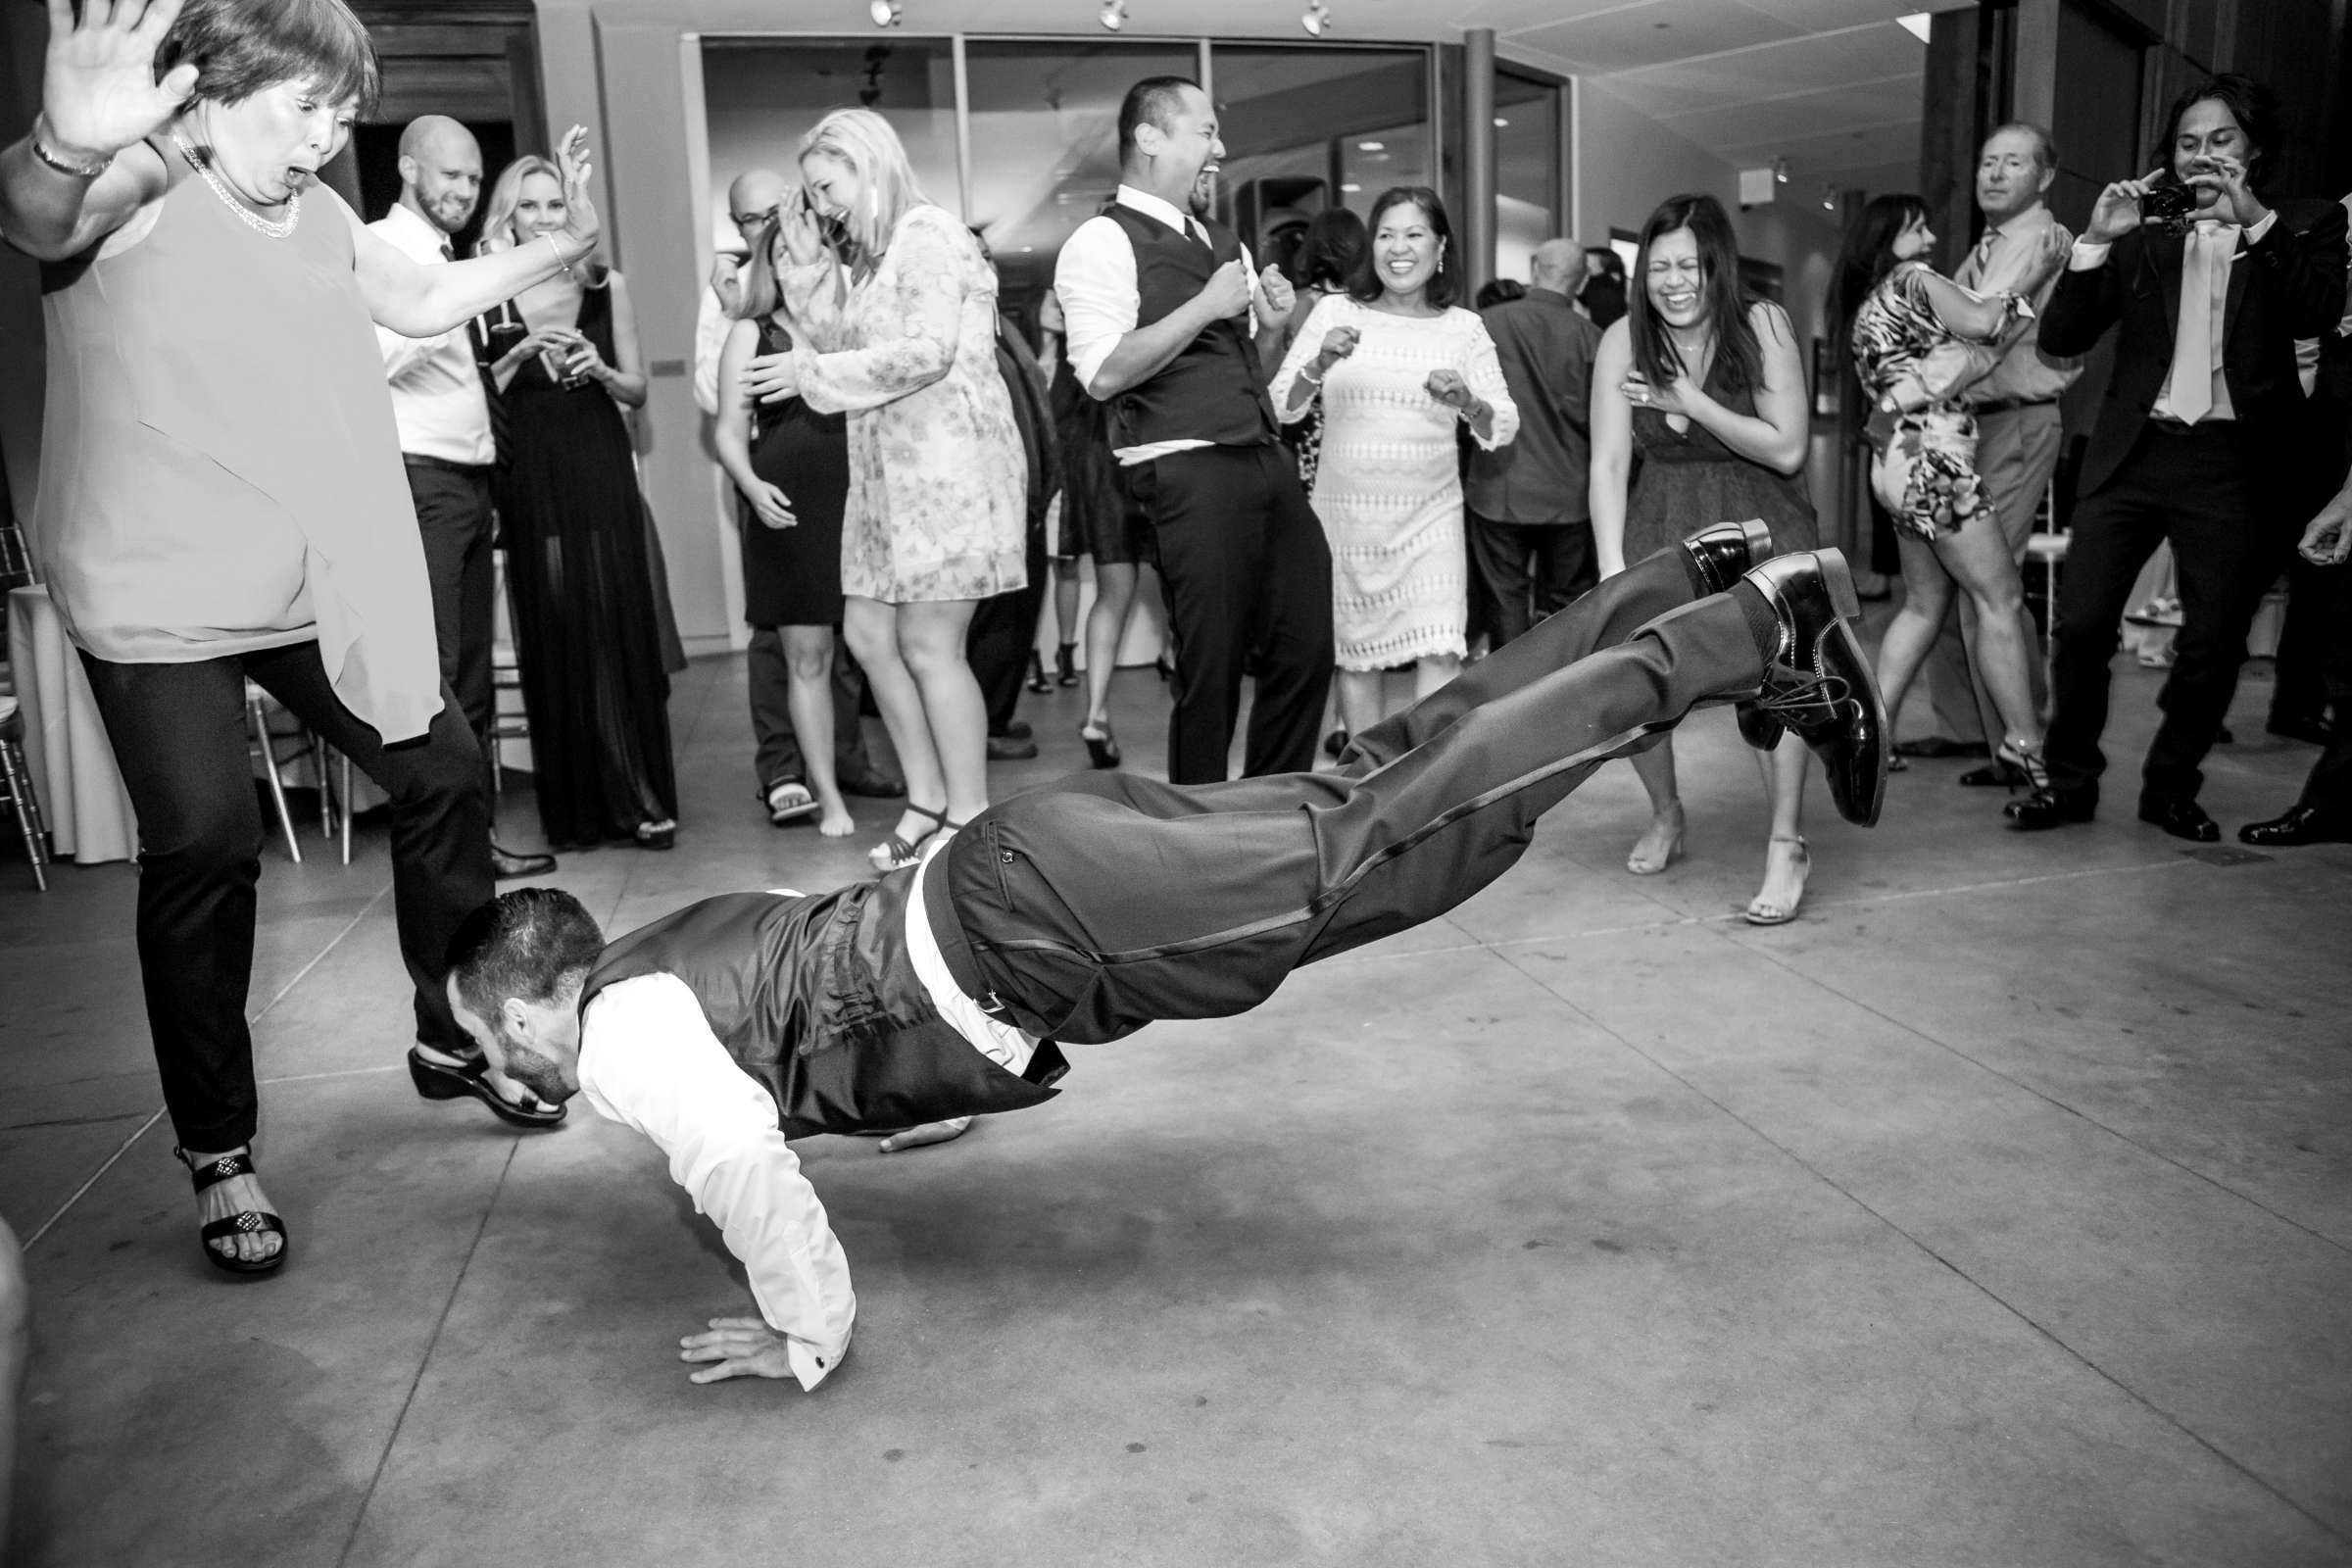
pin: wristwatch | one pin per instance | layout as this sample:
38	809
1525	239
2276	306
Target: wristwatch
63	165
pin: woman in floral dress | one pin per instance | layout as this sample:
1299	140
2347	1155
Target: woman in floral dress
1909	324
896	312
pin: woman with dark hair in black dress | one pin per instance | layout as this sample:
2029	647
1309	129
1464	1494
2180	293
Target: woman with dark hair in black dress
791	467
579	563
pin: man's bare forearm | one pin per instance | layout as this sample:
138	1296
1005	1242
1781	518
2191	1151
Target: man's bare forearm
1148	350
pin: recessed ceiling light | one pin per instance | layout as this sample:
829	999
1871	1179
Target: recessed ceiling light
1501	123
1371	146
885	13
1315	18
1349	185
1916	23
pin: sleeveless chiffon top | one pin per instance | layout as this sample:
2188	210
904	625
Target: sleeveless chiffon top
220	469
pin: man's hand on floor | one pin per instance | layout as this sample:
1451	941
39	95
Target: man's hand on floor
742	1347
930	1132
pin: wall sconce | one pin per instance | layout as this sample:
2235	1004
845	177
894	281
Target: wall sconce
1114	15
1315	18
886	13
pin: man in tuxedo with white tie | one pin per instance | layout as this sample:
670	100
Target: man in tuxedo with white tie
2205	365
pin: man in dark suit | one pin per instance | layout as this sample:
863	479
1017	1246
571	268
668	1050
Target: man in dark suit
1531	523
2178	446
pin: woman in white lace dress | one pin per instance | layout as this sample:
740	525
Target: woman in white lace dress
897	311
1398	364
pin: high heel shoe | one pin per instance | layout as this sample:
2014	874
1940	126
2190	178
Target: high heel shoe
1641	865
895	854
1065	664
2021	763
1102	747
1036	681
1758	912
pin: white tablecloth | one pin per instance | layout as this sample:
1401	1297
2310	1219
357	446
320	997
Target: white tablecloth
73	770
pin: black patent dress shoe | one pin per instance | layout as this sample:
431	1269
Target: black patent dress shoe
870	782
2310	729
1942	749
2302	824
1817	685
1725	551
2047	808
507	865
2183	820
1995	775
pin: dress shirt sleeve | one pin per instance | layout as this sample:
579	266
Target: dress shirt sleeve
1095	282
1303	348
649	1061
1482	367
711	326
930	287
404	353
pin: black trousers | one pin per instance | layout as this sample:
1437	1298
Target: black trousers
453	521
1531	570
2329	786
179	733
777	755
1247	574
1092	906
1002	631
2194	487
2311	469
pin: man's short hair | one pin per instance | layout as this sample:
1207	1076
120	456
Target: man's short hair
530	942
239	47
2252	104
2046	146
1152	101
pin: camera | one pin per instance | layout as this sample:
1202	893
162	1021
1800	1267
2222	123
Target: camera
2167	203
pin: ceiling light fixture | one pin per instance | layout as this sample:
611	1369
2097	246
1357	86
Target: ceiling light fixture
1371	146
1501	123
1114	13
1315	18
886	13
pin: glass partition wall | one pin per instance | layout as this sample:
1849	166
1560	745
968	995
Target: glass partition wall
1020	136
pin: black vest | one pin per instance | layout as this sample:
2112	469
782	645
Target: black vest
818	1000
1213	390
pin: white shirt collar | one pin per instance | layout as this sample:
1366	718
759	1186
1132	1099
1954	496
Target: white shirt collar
1150	205
422	233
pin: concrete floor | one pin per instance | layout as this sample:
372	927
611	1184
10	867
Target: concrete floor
1997	1212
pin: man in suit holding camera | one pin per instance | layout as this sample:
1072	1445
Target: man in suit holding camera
2207	313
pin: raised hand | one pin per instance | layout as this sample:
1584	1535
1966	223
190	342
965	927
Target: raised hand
1279	295
2227	174
1446	385
1227	291
580	220
98	87
1338	344
2049	256
804	238
2117	211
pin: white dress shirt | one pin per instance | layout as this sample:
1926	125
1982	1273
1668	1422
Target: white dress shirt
711	324
1096	280
2090	254
649	1061
438	398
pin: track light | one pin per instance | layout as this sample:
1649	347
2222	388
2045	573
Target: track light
1114	13
886	13
1780	171
1315	18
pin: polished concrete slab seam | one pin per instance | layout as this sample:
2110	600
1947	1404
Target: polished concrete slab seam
1846	1193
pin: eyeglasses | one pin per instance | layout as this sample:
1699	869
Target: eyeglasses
748	221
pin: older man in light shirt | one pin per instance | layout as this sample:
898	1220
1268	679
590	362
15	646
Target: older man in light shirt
447	440
2015	399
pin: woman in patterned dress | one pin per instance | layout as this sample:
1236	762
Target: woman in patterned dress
1396	366
1708	385
1908	325
896	312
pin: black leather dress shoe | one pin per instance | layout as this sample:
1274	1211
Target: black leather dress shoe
2302	824
2183	820
1009	749
1817	685
2311	728
1996	775
1018	729
870	782
1725	551
1941	748
506	865
2047	808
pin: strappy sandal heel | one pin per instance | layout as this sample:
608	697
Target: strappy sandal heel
441	1080
895	854
244	1222
1758	912
1102	747
2022	761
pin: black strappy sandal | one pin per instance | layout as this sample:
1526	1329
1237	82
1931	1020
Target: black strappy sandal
439	1080
894	854
244	1222
1102	747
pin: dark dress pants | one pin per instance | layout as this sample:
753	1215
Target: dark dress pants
1531	569
1244	569
2310	471
1003	632
454	522
2329	787
777	756
1103	902
179	734
2193	487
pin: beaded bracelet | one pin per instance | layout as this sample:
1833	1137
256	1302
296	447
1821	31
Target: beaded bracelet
58	161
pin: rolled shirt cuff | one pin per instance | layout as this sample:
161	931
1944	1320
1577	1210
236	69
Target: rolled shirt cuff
2088	254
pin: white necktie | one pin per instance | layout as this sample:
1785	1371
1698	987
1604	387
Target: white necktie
2204	300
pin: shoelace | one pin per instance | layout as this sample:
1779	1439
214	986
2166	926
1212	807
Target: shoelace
1810	697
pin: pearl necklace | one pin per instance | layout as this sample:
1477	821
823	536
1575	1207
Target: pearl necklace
274	230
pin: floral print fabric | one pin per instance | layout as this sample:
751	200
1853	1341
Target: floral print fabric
1923	463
